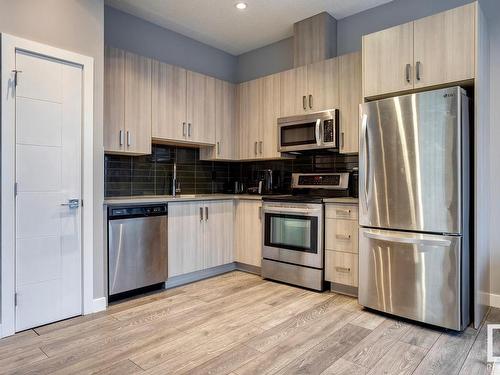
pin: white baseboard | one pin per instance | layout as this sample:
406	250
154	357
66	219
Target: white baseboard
99	304
494	300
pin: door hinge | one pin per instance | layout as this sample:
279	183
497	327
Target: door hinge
15	189
15	299
16	72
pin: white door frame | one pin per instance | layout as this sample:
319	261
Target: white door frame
10	44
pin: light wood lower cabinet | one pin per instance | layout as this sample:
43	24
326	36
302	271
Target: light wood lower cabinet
200	235
248	232
341	244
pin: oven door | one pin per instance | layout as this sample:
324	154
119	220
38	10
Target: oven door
294	234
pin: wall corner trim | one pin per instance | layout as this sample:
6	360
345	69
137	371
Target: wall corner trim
99	304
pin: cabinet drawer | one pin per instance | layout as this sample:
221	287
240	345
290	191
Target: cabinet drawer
341	211
341	268
341	235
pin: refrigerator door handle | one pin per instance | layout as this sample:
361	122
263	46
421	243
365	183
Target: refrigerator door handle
364	129
408	240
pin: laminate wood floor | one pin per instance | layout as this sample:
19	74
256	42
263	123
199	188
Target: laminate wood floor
238	323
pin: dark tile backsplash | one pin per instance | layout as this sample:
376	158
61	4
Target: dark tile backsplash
152	174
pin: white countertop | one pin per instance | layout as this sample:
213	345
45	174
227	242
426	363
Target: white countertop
145	199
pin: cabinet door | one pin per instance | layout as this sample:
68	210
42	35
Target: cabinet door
114	100
293	92
323	85
168	102
249	102
269	113
225	124
444	46
387	60
185	238
218	233
200	108
137	104
350	99
248	232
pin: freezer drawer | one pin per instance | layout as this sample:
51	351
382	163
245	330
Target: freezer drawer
416	276
137	251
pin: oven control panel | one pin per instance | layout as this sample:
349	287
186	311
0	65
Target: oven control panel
336	181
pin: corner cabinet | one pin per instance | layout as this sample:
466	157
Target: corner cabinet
350	97
127	103
200	235
225	124
432	51
258	117
248	232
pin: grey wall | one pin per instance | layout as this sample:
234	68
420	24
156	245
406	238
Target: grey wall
131	33
74	25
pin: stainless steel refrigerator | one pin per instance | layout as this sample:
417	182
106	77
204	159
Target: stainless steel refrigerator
414	207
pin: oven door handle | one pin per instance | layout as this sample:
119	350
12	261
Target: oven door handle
317	132
302	211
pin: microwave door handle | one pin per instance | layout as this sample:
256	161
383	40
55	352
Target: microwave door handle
317	132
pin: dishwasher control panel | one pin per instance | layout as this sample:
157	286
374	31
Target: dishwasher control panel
132	211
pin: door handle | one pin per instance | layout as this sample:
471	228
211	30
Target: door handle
121	138
206	213
72	203
201	213
408	68
310	101
317	133
417	70
183	129
304	103
129	138
407	240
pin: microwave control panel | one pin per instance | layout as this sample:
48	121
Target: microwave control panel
328	131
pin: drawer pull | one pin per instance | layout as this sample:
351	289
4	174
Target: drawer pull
343	236
343	269
343	212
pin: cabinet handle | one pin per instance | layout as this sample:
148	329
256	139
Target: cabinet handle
260	213
255	148
183	129
343	269
218	148
189	129
343	236
408	67
342	140
343	212
310	101
129	138
304	103
121	138
206	213
260	147
417	70
201	213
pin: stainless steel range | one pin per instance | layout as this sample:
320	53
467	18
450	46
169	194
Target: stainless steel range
293	228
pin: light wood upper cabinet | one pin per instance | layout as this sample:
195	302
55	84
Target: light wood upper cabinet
323	85
137	103
388	60
114	100
350	97
293	92
200	108
226	145
433	51
444	46
248	232
127	103
268	116
168	102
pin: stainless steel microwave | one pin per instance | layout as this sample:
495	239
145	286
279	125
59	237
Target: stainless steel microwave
312	131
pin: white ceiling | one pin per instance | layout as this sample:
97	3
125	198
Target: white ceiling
219	24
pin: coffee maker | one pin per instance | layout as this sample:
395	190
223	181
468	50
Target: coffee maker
265	182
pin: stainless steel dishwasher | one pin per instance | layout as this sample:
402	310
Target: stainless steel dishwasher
137	247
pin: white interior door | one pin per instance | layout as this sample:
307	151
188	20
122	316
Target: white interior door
48	175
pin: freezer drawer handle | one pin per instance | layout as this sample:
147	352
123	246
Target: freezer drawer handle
413	241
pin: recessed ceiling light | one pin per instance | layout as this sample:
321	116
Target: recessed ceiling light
241	5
